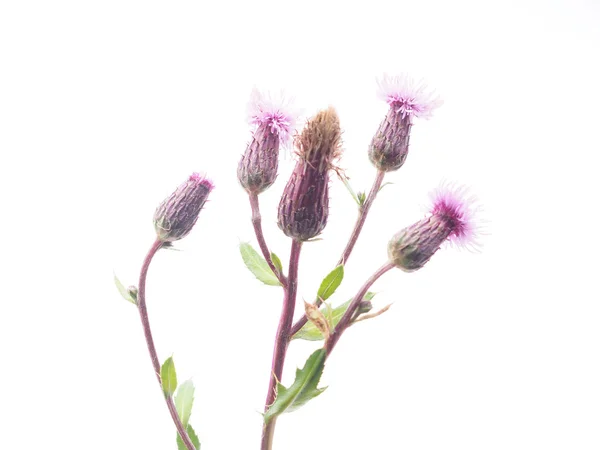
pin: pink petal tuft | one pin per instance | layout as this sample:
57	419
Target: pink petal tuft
201	179
454	204
275	112
408	96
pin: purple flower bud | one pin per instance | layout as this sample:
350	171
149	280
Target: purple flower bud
452	219
176	215
407	99
274	122
304	206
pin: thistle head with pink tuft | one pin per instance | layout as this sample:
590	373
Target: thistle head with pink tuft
407	99
452	219
274	120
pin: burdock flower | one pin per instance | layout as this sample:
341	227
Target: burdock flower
176	215
407	99
304	206
274	121
451	219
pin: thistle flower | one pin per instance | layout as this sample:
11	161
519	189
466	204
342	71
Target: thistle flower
176	215
274	121
304	206
452	219
407	99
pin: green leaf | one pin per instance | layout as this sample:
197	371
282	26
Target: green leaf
193	437
277	262
124	291
184	401
331	282
302	390
309	332
362	198
168	377
257	265
384	185
347	184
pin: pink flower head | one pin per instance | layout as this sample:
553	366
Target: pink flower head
451	219
458	210
407	96
276	113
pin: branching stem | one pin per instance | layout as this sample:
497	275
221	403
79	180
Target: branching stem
360	221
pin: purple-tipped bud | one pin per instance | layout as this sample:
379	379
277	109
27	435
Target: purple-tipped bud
176	215
274	122
452	219
407	99
304	206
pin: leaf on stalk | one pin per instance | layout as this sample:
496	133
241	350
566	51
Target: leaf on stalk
184	400
168	377
277	262
330	283
125	293
302	390
258	265
344	180
384	185
362	198
193	437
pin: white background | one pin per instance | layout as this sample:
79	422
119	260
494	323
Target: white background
105	107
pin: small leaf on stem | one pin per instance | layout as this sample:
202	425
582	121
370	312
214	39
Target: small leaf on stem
330	283
371	315
168	377
344	180
277	262
362	198
302	390
193	437
384	185
184	400
258	265
125	293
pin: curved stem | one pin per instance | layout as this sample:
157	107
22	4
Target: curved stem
282	340
141	303
346	319
360	221
257	224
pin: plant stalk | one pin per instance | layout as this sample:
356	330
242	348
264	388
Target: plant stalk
141	303
257	224
282	340
362	216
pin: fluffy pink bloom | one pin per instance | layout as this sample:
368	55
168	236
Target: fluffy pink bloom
458	210
407	96
451	219
275	112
